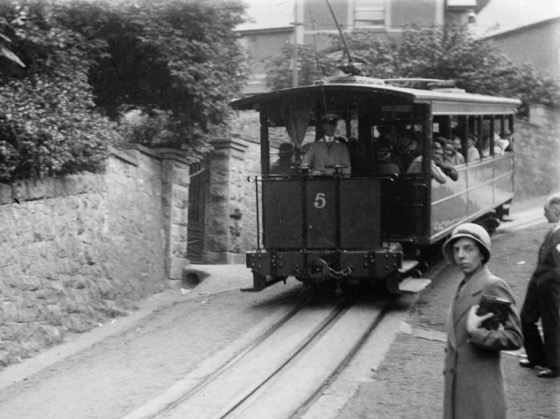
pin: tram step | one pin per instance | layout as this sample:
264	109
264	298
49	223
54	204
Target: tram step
413	285
408	265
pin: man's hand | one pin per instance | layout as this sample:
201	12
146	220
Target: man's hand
448	169
473	321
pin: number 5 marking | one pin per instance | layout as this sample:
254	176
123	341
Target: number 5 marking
320	201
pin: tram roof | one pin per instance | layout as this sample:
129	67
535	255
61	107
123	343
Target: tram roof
443	101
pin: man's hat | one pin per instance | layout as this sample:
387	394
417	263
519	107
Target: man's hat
330	117
286	148
384	143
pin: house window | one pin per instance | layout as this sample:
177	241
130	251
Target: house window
369	13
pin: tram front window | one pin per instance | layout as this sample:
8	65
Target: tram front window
328	154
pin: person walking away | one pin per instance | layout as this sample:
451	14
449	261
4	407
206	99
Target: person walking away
474	380
327	152
542	300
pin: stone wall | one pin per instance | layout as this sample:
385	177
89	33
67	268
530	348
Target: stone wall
231	214
78	250
537	152
175	182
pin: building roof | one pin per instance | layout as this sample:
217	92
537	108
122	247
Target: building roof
501	16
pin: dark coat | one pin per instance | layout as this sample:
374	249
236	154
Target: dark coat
474	381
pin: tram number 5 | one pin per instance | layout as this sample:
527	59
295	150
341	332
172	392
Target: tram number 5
320	201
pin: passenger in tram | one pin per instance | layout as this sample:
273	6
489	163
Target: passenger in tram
438	155
406	150
383	164
328	150
472	151
500	145
284	164
439	167
511	138
451	155
457	143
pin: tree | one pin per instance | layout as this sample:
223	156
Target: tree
311	67
7	57
48	121
174	64
157	72
448	53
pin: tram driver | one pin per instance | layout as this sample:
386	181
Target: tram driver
329	151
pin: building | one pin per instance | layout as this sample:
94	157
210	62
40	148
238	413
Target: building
277	24
524	30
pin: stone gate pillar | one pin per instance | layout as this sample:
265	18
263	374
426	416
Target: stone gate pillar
225	202
175	197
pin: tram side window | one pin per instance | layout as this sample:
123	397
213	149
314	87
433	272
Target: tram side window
466	137
495	138
474	138
443	128
503	138
395	147
485	146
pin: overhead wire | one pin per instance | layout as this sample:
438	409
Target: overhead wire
315	48
314	37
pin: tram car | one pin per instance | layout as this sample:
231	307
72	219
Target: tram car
359	223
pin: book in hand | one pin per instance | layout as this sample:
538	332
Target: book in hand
498	306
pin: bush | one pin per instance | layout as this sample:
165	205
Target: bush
48	121
174	64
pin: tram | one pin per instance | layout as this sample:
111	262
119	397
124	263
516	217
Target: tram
367	225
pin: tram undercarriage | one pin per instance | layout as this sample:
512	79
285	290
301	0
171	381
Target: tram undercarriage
315	268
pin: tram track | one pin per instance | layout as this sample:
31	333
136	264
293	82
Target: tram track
298	383
282	371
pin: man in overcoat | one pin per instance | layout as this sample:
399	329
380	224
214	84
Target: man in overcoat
542	301
474	380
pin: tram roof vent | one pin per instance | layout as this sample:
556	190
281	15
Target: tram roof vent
427	84
352	80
